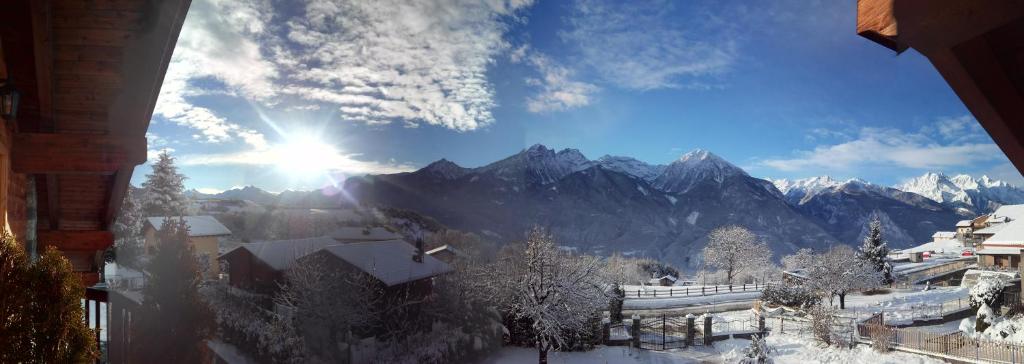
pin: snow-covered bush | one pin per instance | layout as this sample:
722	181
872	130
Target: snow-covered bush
985	318
758	352
988	291
790	295
823	321
881	337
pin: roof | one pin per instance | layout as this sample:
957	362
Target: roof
1011	233
989	230
357	234
940	246
963	223
389	261
197	225
445	248
944	235
1014	212
281	254
999	250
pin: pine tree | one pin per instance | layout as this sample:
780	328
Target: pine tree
127	231
41	316
876	252
174	321
165	189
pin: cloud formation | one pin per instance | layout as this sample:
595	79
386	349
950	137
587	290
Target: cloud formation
557	88
949	142
636	45
270	157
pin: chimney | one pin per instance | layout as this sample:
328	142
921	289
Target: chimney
418	255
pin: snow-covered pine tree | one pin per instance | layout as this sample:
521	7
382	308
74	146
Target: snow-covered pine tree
127	231
165	189
876	252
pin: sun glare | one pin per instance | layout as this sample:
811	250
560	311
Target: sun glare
305	156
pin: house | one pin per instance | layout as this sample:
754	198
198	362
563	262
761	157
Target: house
1001	238
204	234
943	236
666	281
260	267
446	253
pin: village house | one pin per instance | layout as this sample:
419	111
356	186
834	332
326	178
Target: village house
204	234
666	281
397	264
940	236
1003	238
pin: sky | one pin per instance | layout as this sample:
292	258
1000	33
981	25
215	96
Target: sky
300	94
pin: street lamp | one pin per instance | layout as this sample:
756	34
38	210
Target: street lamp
9	97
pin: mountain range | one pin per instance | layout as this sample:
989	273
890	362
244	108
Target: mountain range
621	204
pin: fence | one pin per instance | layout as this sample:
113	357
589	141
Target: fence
658	292
919	275
897	312
950	346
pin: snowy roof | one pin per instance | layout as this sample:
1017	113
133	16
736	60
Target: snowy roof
444	248
389	261
1014	212
999	251
944	235
940	246
281	254
963	223
356	234
990	230
197	225
1011	233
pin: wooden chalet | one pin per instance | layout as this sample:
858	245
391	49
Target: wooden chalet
88	74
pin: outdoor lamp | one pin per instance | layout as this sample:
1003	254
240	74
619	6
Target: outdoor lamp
8	100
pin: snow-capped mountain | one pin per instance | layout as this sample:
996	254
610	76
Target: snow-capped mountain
978	195
843	209
538	164
632	167
695	167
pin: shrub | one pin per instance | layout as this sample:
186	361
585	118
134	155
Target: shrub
758	352
789	295
989	291
880	336
823	321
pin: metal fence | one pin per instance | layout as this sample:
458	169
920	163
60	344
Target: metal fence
684	291
954	346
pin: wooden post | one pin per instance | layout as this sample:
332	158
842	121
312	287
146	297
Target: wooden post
663	331
691	331
707	330
606	330
634	331
760	324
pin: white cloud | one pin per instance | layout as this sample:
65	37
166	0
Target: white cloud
558	91
636	45
931	149
271	157
386	60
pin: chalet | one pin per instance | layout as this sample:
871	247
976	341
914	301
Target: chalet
666	281
1001	238
943	236
259	267
204	234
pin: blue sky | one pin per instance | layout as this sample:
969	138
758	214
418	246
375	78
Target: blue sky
297	95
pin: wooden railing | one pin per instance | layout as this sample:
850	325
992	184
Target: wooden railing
954	346
684	291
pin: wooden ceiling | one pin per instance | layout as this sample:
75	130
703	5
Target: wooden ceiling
89	72
977	46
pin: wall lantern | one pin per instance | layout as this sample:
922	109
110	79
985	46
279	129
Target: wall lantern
8	100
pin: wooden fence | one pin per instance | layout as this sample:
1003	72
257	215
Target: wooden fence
684	291
955	346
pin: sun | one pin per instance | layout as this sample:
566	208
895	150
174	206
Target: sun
304	156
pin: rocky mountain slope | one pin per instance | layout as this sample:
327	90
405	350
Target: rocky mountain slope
977	195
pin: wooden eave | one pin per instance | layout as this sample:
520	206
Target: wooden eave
89	73
977	46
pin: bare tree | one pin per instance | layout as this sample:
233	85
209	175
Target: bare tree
839	271
802	259
735	249
558	293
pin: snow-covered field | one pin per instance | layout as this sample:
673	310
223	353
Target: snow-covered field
789	349
676	302
907	304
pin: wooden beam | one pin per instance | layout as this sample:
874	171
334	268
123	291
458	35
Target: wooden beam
118	191
76	240
42	44
75	153
53	201
877	22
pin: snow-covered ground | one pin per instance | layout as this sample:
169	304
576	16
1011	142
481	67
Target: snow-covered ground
906	304
789	349
676	302
907	268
